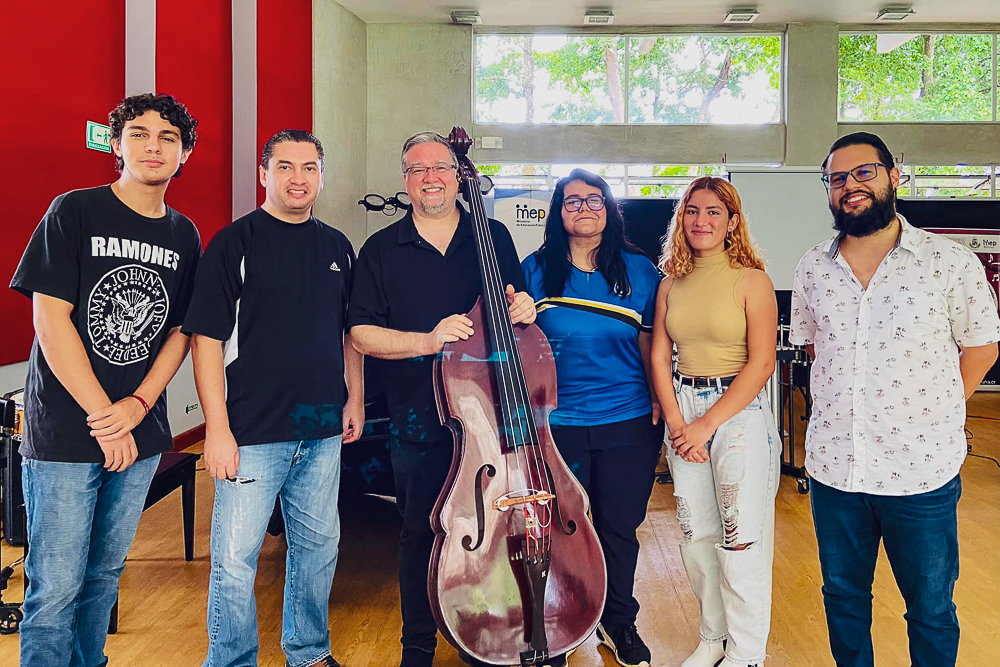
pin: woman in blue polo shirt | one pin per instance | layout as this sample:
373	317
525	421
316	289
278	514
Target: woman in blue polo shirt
595	294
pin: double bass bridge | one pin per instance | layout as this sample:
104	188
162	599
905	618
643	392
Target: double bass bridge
518	498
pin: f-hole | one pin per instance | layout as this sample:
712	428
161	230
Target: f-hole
568	528
490	471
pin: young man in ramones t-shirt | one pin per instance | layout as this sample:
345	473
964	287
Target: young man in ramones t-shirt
109	271
270	360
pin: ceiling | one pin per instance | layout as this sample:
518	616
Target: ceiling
667	12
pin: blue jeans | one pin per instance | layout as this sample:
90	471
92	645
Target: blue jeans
920	533
306	477
81	523
722	504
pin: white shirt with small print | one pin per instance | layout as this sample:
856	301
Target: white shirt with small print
888	412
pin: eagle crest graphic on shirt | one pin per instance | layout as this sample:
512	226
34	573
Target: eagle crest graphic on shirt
126	310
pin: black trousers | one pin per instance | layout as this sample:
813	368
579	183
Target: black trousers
420	469
616	464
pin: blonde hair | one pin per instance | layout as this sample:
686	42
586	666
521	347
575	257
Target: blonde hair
676	259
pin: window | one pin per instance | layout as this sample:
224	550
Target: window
895	77
549	79
667	181
615	174
625	180
518	176
948	181
705	79
598	78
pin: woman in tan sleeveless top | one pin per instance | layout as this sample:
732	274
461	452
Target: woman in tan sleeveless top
718	307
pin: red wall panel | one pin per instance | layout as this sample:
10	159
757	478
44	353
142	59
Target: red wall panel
63	64
194	54
59	74
284	69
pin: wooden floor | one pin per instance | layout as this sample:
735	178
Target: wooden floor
163	598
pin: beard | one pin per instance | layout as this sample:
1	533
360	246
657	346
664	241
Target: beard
879	214
434	209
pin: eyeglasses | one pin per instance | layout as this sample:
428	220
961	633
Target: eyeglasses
376	202
437	170
574	204
865	172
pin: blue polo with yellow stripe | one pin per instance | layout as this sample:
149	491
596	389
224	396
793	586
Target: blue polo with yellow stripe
594	335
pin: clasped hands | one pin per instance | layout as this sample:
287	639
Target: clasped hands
112	426
689	440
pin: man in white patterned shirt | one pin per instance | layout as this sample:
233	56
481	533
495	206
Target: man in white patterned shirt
902	326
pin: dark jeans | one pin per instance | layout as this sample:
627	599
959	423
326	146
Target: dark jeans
616	464
920	533
420	470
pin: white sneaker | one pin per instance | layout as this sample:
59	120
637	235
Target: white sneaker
728	663
706	655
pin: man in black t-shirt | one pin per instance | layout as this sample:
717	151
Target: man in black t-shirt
271	357
415	278
109	271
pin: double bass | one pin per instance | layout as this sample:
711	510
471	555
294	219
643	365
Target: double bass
517	573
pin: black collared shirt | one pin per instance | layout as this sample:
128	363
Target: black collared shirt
404	283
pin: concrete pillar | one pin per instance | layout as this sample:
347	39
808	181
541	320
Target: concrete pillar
811	86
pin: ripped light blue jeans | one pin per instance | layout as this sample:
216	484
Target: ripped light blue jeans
722	506
306	477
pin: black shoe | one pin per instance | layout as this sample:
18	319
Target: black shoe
627	645
415	657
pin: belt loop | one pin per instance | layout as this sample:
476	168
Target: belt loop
718	383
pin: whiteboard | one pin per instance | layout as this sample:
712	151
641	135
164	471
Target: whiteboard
787	214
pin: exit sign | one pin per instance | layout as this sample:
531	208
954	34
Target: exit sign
98	137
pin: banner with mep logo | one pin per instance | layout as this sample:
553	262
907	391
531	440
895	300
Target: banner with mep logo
524	212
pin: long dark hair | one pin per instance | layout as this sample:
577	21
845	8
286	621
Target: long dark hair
554	257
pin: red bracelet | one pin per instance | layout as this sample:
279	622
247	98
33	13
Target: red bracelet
145	406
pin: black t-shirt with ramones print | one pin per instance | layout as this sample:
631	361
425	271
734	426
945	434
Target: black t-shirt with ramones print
129	279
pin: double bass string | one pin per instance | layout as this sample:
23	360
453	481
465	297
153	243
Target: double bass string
521	388
511	358
504	331
490	298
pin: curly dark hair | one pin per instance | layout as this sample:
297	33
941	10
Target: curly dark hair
554	257
169	109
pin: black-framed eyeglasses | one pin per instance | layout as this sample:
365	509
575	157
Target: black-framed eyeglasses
437	170
862	173
574	204
376	202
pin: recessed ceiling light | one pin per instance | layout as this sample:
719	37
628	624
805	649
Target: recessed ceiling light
466	17
742	15
599	17
894	13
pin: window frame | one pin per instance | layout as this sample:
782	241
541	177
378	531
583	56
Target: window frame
912	181
626	179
